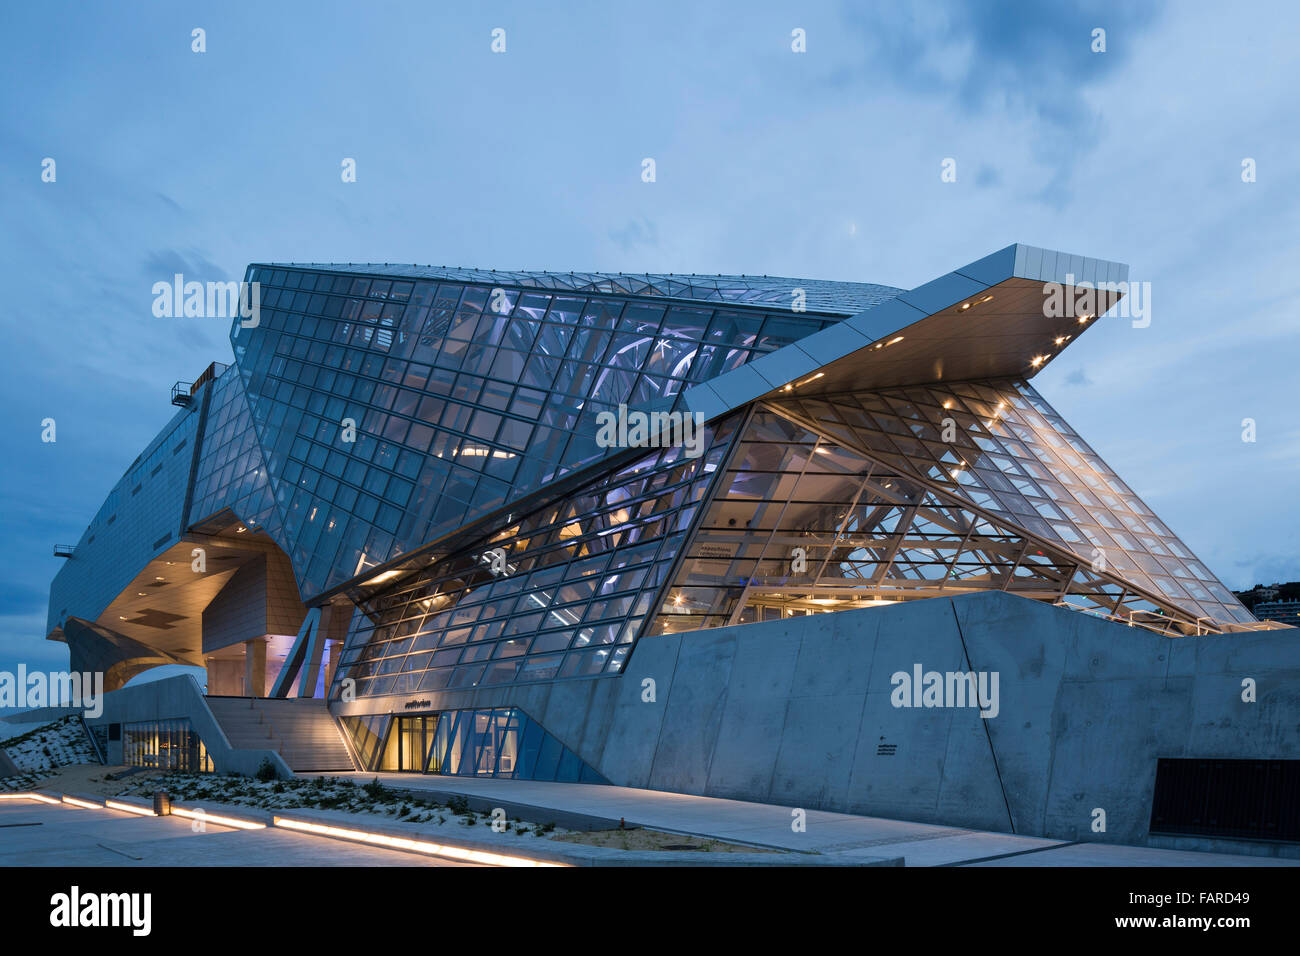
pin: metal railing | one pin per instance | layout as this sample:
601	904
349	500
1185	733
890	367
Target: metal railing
1202	626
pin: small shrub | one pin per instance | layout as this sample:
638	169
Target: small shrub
266	771
459	806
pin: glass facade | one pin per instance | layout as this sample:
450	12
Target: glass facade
1012	456
463	396
577	579
231	473
821	295
497	742
423	445
396	411
164	745
852	500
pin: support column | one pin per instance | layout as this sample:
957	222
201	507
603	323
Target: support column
314	650
297	654
331	662
255	667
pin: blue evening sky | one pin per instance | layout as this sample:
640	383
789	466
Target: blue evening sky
823	164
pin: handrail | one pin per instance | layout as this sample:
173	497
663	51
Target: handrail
1117	618
1204	625
94	741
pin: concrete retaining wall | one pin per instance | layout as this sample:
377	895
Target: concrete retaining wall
799	712
174	698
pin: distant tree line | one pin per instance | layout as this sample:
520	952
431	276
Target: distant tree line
1285	592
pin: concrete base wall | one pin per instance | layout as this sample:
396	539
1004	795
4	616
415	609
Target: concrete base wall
799	712
174	698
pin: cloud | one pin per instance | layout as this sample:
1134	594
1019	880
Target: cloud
1078	377
987	176
639	232
1016	54
1005	59
194	265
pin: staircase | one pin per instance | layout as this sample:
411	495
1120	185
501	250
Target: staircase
299	728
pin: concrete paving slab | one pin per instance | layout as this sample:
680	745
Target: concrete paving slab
769	825
72	836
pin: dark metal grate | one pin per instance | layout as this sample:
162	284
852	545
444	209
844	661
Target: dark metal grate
1238	799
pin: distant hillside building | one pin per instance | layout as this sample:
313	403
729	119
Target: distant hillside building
1258	594
1284	612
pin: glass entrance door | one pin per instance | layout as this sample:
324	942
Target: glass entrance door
408	744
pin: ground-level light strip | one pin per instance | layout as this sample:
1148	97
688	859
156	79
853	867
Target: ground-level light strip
404	843
425	847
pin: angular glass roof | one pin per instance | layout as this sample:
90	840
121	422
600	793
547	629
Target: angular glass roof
821	295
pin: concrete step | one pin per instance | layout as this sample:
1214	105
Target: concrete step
301	730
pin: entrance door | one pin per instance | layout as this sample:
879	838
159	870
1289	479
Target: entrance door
404	750
409	740
411	747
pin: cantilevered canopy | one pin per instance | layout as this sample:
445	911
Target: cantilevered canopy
1006	315
162	607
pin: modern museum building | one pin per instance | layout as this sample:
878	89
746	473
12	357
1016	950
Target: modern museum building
810	543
